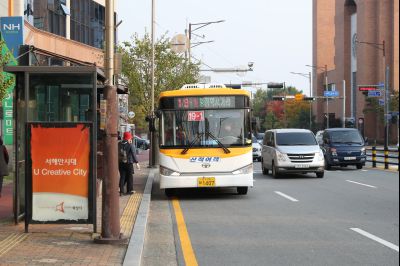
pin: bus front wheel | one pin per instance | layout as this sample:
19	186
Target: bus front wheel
242	190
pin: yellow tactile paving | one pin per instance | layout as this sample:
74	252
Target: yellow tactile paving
11	241
128	217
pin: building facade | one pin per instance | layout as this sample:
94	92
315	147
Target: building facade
348	38
56	33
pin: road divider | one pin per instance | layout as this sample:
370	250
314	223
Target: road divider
375	238
361	184
286	196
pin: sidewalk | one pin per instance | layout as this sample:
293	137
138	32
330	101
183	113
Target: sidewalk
68	244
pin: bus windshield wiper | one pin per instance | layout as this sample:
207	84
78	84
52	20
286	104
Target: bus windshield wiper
192	143
226	150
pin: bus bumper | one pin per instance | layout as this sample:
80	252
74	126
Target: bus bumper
192	181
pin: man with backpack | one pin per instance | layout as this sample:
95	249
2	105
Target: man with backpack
126	158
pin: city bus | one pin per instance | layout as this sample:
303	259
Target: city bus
205	138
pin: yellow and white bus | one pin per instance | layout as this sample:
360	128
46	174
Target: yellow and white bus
205	138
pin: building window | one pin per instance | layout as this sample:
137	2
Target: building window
49	16
88	22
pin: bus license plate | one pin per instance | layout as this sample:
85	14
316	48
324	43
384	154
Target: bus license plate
350	158
206	182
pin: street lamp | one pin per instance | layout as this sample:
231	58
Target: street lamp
325	68
386	71
152	115
310	82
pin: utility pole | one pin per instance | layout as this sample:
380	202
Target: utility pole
327	99
151	118
309	77
110	225
344	103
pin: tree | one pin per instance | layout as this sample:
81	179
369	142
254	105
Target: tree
6	80
172	71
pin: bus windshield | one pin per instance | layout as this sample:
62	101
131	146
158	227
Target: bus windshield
205	128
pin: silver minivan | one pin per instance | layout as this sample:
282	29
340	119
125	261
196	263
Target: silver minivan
291	151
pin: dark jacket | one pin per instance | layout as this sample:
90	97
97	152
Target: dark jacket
3	161
130	151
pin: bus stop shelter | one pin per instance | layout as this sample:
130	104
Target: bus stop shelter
50	105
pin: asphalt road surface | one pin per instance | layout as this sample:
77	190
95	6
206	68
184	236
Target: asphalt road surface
350	217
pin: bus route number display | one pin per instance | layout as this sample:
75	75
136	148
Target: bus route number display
196	116
207	102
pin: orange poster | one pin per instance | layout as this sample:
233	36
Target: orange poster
60	172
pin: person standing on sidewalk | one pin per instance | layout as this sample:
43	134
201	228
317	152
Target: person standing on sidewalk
127	157
4	158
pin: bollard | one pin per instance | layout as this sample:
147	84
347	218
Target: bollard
386	158
374	157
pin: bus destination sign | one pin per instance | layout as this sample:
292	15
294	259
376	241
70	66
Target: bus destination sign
205	102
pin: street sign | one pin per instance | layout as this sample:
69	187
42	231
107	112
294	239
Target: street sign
381	85
131	114
331	94
374	93
381	102
395	113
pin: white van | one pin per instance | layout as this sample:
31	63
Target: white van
291	151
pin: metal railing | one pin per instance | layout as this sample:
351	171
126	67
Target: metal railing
386	156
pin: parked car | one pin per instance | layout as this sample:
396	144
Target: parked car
291	151
343	147
257	148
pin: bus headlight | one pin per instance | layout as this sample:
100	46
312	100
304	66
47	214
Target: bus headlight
244	171
363	152
168	172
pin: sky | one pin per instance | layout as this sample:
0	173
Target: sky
274	34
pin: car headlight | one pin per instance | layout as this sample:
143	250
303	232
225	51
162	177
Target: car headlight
363	151
320	156
168	172
281	156
244	171
333	151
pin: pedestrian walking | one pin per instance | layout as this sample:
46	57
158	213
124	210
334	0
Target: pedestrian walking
4	158
127	157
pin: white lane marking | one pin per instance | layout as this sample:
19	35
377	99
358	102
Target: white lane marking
286	196
364	170
361	184
377	239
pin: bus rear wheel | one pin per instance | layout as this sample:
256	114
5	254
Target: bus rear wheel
242	190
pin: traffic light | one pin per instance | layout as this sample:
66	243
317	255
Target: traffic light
278	98
274	85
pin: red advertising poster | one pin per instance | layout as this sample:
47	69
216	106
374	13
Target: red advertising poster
60	173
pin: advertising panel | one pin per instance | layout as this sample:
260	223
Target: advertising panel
12	32
60	173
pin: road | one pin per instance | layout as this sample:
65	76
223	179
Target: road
350	217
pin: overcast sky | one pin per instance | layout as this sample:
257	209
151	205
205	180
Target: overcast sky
274	34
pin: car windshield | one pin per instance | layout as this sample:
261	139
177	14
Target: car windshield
295	139
254	140
346	136
205	128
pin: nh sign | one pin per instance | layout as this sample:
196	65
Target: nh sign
11	27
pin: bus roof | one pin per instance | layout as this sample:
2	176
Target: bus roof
204	92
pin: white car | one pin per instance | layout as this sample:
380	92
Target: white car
292	151
257	148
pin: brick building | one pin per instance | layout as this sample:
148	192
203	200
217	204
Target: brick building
340	30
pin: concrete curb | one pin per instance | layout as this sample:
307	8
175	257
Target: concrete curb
134	252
